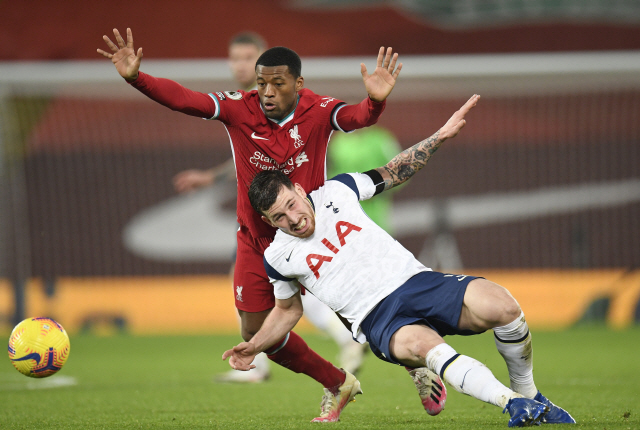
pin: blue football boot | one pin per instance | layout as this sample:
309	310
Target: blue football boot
525	412
556	414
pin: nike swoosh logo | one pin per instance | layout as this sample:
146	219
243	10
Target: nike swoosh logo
253	136
463	378
33	356
289	256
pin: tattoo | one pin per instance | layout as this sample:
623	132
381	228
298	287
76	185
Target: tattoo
411	160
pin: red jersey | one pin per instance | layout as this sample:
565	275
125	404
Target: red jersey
297	144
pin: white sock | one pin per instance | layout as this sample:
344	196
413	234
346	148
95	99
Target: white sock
468	376
514	344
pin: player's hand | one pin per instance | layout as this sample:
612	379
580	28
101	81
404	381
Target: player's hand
457	121
124	57
380	83
241	356
191	180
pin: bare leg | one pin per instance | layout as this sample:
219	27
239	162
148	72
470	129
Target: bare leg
487	305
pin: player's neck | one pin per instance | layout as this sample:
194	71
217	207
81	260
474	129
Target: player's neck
288	116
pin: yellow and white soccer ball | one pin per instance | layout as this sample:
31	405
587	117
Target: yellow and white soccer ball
38	347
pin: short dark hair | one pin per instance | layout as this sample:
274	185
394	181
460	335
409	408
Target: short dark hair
281	56
265	187
249	38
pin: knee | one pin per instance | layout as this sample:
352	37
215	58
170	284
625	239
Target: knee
417	349
411	343
512	310
411	353
488	305
509	308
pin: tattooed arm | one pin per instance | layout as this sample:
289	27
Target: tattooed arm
408	162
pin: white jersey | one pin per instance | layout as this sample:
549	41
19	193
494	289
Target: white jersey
349	262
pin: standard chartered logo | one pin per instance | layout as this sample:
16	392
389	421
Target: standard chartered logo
264	162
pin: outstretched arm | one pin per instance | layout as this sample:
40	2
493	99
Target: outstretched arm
164	91
284	316
411	160
194	179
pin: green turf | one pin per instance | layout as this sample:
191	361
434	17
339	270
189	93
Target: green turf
166	382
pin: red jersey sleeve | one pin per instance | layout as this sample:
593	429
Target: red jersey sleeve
176	97
351	117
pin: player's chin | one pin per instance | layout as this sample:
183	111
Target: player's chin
273	115
272	112
306	233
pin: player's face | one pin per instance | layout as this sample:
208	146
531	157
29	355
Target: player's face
292	213
278	90
242	61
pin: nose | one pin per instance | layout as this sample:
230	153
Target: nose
269	91
293	220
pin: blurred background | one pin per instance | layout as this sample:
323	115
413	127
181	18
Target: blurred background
540	192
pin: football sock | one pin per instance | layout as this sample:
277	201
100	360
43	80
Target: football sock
468	376
294	354
514	344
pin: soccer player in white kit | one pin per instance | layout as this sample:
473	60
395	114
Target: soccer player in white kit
403	309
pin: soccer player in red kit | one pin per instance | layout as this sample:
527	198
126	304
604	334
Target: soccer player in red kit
283	126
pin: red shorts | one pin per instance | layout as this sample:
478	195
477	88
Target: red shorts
251	287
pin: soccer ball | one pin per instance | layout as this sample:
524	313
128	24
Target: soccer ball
38	347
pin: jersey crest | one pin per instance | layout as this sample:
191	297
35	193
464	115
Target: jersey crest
330	205
297	139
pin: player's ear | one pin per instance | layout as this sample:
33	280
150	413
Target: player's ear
299	83
300	191
265	219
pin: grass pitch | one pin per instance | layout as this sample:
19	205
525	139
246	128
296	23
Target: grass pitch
126	382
